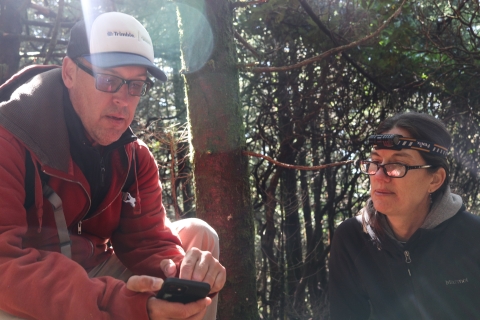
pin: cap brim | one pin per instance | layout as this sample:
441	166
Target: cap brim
122	59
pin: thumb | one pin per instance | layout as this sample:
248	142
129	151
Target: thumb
144	283
169	268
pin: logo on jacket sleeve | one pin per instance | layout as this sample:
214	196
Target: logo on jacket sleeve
127	198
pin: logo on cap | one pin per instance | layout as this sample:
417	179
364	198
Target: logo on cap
120	34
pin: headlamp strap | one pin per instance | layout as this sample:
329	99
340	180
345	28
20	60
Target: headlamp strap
398	142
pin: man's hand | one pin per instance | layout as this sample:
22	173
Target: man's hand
199	266
160	309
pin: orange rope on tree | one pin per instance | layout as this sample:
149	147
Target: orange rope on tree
291	166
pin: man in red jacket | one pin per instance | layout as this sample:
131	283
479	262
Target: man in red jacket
83	232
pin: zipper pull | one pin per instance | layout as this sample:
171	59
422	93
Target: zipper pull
407	256
102	173
79	227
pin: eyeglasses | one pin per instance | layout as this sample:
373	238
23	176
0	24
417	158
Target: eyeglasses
393	170
110	83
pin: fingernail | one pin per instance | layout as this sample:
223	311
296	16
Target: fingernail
157	284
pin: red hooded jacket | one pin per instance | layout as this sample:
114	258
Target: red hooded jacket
36	280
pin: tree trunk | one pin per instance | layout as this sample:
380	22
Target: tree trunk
11	12
268	247
217	141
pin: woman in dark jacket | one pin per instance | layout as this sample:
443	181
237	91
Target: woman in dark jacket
413	251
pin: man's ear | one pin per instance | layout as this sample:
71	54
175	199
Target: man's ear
69	70
437	180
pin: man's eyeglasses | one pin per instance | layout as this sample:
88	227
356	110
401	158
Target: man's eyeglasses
394	170
110	83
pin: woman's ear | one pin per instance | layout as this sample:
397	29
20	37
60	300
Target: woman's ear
69	69
437	180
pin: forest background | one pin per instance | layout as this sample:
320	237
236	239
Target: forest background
267	105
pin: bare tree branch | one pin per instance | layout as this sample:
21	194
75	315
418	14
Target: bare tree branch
53	40
246	44
332	37
42	55
331	51
47	12
290	166
29	38
63	24
243	4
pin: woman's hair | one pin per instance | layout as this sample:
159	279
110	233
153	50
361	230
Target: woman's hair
423	127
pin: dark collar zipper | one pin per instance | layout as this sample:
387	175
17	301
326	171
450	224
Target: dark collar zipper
102	172
102	178
408	259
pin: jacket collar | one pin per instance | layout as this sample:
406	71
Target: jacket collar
443	209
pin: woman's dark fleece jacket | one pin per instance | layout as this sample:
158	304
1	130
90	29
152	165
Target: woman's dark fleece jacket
434	275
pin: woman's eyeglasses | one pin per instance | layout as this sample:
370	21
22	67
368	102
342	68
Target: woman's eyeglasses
393	170
110	83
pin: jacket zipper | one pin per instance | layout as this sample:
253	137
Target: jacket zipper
102	184
102	172
407	260
126	177
102	168
79	225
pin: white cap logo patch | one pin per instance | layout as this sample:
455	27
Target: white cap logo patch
119	34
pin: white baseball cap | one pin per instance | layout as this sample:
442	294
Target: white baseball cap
115	39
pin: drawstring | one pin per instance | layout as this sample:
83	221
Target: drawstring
38	196
137	209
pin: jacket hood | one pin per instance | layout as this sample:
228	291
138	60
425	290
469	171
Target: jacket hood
34	114
443	209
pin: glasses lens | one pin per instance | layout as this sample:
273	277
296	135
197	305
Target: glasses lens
137	88
396	170
368	167
107	83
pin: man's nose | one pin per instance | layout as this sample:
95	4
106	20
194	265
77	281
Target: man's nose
122	93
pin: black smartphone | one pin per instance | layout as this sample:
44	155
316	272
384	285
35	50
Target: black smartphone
184	291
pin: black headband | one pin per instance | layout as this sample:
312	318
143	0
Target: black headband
398	142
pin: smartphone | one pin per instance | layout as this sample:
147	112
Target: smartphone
184	291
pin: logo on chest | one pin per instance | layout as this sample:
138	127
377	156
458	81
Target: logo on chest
453	282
